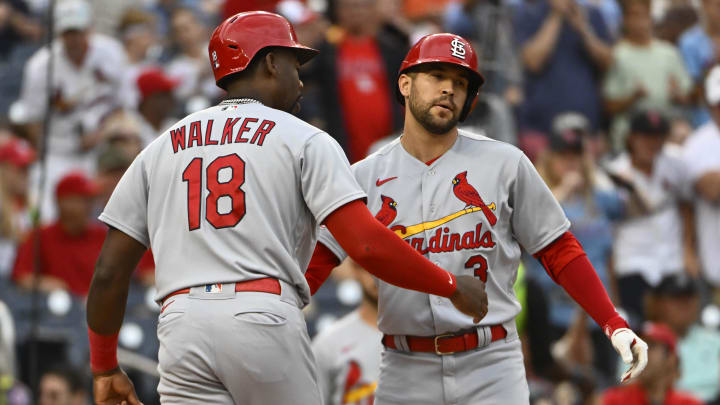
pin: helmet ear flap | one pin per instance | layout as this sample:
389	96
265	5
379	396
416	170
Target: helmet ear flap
470	101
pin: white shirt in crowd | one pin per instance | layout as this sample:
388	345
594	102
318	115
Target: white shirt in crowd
702	155
91	90
652	245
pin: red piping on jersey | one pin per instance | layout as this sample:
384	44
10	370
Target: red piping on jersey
429	162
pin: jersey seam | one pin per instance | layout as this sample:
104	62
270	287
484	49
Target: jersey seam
125	228
355	195
551	237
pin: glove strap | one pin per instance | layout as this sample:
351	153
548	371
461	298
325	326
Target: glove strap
613	324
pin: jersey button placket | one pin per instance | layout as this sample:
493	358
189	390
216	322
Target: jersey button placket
429	209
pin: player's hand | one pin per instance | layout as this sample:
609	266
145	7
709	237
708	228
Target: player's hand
113	388
470	297
632	349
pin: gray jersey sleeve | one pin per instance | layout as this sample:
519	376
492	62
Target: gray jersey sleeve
127	208
537	217
326	180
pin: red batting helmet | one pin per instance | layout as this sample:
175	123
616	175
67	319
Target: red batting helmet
446	48
236	40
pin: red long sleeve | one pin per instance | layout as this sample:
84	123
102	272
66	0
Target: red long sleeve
567	264
321	264
379	251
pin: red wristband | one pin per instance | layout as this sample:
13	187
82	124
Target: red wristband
103	351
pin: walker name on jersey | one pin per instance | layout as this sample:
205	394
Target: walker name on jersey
445	241
249	130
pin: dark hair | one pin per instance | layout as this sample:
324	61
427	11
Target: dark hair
75	380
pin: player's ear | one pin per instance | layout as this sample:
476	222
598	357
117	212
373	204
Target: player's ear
271	65
404	84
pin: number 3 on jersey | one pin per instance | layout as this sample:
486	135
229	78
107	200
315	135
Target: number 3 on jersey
231	188
480	266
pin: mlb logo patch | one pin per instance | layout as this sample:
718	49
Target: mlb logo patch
213	288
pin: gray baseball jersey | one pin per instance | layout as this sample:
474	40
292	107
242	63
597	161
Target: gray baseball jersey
348	359
232	193
469	212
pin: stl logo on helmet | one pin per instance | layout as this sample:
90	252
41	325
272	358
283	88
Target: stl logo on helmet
457	48
216	64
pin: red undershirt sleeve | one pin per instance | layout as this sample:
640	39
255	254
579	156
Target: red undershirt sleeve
567	264
321	264
379	251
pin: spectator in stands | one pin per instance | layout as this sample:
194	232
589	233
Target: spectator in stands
157	103
348	352
488	24
564	49
19	35
16	26
69	247
678	18
675	301
15	159
310	27
232	7
702	157
63	386
656	385
137	31
649	242
190	65
395	21
646	72
112	162
700	48
122	130
591	206
355	78
86	77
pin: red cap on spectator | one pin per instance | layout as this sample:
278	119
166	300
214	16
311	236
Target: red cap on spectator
153	81
76	183
660	333
17	152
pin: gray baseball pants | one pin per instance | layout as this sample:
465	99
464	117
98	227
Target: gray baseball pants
245	348
490	375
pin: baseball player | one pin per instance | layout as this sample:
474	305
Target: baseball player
229	199
468	203
348	352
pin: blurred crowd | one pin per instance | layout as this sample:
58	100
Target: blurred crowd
617	102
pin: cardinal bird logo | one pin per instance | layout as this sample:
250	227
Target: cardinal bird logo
387	212
467	194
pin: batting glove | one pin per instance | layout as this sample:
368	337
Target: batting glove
633	351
